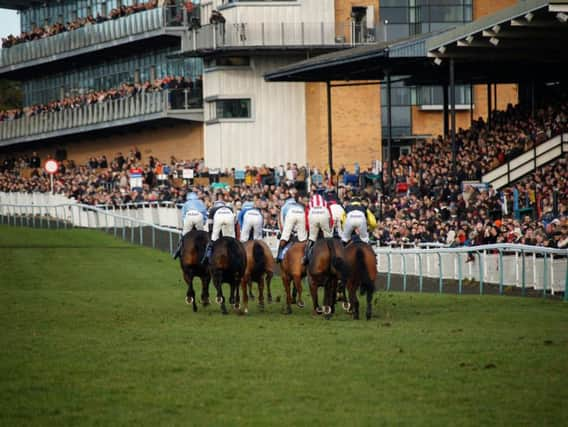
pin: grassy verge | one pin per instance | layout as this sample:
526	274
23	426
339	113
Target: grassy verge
95	332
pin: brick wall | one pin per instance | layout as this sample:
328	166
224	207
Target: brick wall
356	125
184	140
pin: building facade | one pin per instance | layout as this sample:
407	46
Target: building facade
232	118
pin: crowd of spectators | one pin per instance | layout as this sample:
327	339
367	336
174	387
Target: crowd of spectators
425	203
125	90
48	30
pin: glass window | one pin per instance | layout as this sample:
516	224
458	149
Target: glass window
233	109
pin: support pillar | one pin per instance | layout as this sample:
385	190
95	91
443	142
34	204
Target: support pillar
389	130
489	105
446	115
453	115
329	129
471	94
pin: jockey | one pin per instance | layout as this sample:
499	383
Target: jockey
250	218
292	218
358	217
319	218
194	215
337	213
223	222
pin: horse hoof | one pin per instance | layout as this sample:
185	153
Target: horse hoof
319	310
236	306
288	310
270	299
188	300
261	306
369	316
300	304
205	302
219	300
327	316
346	306
194	308
224	309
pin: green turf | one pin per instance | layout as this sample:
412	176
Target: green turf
96	332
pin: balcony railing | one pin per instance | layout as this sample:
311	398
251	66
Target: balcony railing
281	34
177	103
140	24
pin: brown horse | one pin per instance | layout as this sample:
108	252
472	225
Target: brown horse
260	269
363	265
227	265
293	270
194	244
326	268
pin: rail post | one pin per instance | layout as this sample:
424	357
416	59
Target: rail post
523	274
500	272
481	265
420	277
403	259
460	278
389	266
441	281
544	274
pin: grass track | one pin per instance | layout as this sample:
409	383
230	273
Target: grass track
95	332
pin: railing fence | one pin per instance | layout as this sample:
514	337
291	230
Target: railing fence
505	265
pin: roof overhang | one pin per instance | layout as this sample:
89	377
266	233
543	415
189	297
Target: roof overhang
523	42
19	4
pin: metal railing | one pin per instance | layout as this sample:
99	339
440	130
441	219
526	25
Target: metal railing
281	34
141	23
504	265
105	114
544	270
527	162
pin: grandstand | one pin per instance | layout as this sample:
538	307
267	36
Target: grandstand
243	122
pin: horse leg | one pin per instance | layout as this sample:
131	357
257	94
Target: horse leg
190	295
261	292
217	281
369	311
244	283
333	295
286	283
353	300
268	280
251	295
314	292
205	279
327	299
298	289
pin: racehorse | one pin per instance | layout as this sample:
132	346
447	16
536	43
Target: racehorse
260	269
327	266
227	265
293	270
194	244
363	266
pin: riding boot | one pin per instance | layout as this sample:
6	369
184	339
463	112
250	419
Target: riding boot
177	253
307	252
208	251
280	255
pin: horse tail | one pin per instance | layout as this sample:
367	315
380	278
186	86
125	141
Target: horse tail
338	266
235	253
258	258
367	285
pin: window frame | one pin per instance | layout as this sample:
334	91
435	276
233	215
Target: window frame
211	107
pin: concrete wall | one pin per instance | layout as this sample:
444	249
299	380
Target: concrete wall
184	140
276	132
